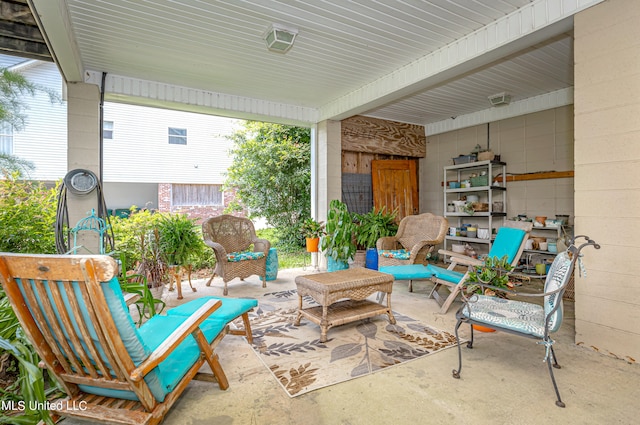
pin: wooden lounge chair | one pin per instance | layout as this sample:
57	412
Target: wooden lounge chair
532	320
73	312
231	239
416	237
509	241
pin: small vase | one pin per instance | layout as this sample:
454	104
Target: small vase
371	260
312	244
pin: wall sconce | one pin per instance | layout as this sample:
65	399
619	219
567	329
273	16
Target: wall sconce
280	38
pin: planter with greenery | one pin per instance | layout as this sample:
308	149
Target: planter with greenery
179	242
339	243
312	230
371	227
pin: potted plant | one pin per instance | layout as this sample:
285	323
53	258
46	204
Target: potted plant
312	230
494	271
339	242
371	227
179	239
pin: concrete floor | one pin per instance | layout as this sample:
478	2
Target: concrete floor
504	379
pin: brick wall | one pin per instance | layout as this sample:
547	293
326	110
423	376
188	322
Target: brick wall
197	212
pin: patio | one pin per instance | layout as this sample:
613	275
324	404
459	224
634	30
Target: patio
503	379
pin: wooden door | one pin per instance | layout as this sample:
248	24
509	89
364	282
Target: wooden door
395	185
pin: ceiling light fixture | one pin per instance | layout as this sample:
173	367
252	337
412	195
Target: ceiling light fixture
500	99
280	38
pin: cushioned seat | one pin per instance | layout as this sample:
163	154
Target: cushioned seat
231	309
408	272
72	310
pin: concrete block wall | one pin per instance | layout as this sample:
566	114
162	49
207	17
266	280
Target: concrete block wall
542	141
607	166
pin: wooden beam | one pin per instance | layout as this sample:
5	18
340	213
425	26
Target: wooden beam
377	136
532	176
539	176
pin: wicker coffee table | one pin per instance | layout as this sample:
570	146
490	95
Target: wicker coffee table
352	286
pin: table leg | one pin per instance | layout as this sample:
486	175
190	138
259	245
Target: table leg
297	322
392	319
324	324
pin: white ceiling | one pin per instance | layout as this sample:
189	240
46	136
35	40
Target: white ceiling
345	60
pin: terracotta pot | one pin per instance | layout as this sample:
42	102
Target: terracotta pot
312	244
482	328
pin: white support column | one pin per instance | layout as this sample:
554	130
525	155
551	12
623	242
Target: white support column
328	184
83	144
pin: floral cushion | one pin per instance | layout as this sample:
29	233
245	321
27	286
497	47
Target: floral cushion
398	254
234	257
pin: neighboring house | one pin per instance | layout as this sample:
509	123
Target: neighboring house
153	158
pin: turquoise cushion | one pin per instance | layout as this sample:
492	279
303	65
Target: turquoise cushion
398	254
172	369
230	309
444	274
507	242
408	271
234	257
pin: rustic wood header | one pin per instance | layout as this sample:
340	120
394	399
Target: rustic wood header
374	135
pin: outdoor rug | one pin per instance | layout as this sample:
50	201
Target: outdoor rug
301	363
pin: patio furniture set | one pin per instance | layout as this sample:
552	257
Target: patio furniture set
74	312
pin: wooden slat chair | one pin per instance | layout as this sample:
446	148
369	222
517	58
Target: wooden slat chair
73	312
231	239
509	241
531	320
416	237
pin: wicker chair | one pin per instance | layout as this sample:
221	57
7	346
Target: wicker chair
231	238
417	236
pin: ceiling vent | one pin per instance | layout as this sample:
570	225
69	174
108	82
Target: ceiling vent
280	38
500	99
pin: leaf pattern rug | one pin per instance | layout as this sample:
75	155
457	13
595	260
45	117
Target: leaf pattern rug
301	363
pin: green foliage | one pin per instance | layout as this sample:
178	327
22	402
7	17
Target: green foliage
30	385
339	243
11	165
271	171
27	216
375	225
134	237
179	239
494	272
14	88
311	228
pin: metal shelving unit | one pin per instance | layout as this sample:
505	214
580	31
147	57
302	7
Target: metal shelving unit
494	191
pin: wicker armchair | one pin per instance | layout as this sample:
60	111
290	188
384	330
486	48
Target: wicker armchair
231	239
417	236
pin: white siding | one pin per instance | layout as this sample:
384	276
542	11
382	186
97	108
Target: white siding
140	149
43	140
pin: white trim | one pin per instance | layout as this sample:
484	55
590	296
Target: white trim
543	102
150	93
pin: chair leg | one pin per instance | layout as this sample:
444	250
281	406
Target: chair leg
450	299
264	281
551	355
247	329
456	373
211	359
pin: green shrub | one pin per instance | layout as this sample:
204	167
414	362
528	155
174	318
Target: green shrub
27	216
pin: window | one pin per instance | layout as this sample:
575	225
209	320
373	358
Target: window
6	139
107	130
196	194
177	136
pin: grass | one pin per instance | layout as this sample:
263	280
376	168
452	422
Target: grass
287	258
